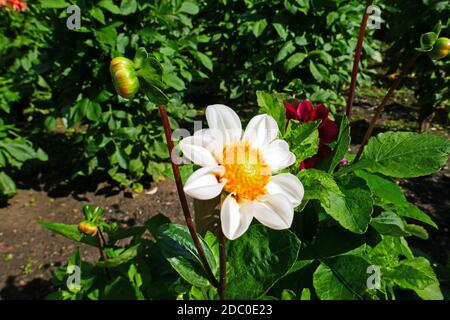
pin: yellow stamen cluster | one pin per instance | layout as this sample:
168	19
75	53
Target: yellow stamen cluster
246	172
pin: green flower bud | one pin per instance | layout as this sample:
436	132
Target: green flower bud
87	228
440	50
124	77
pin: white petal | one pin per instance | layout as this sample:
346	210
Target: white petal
261	130
196	149
204	183
288	185
224	119
212	141
277	155
273	211
234	221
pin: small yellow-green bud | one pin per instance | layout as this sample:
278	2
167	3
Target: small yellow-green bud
124	77
87	228
441	48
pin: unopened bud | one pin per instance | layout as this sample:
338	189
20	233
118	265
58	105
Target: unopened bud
440	50
87	228
124	77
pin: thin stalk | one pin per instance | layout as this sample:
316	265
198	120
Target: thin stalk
101	241
357	58
407	67
222	265
183	200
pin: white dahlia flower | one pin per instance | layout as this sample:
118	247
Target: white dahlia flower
241	166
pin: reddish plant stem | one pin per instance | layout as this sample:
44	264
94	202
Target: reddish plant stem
101	241
222	266
183	200
407	67
357	58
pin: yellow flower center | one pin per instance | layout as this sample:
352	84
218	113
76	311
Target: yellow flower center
246	172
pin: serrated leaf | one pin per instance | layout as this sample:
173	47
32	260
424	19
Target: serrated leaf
303	139
390	224
405	154
350	203
342	278
415	274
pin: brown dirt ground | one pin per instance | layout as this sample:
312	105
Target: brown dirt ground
28	253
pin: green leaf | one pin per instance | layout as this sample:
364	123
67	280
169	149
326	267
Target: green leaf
409	210
189	7
319	71
272	104
285	50
258	27
19	149
350	203
383	188
154	223
54	4
110	6
121	158
390	224
390	196
303	139
258	259
154	94
69	231
178	248
415	274
124	257
97	14
342	278
106	36
128	7
405	154
7	185
125	233
280	30
325	244
172	80
139	57
205	60
417	231
306	294
342	144
432	292
294	61
94	111
386	253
